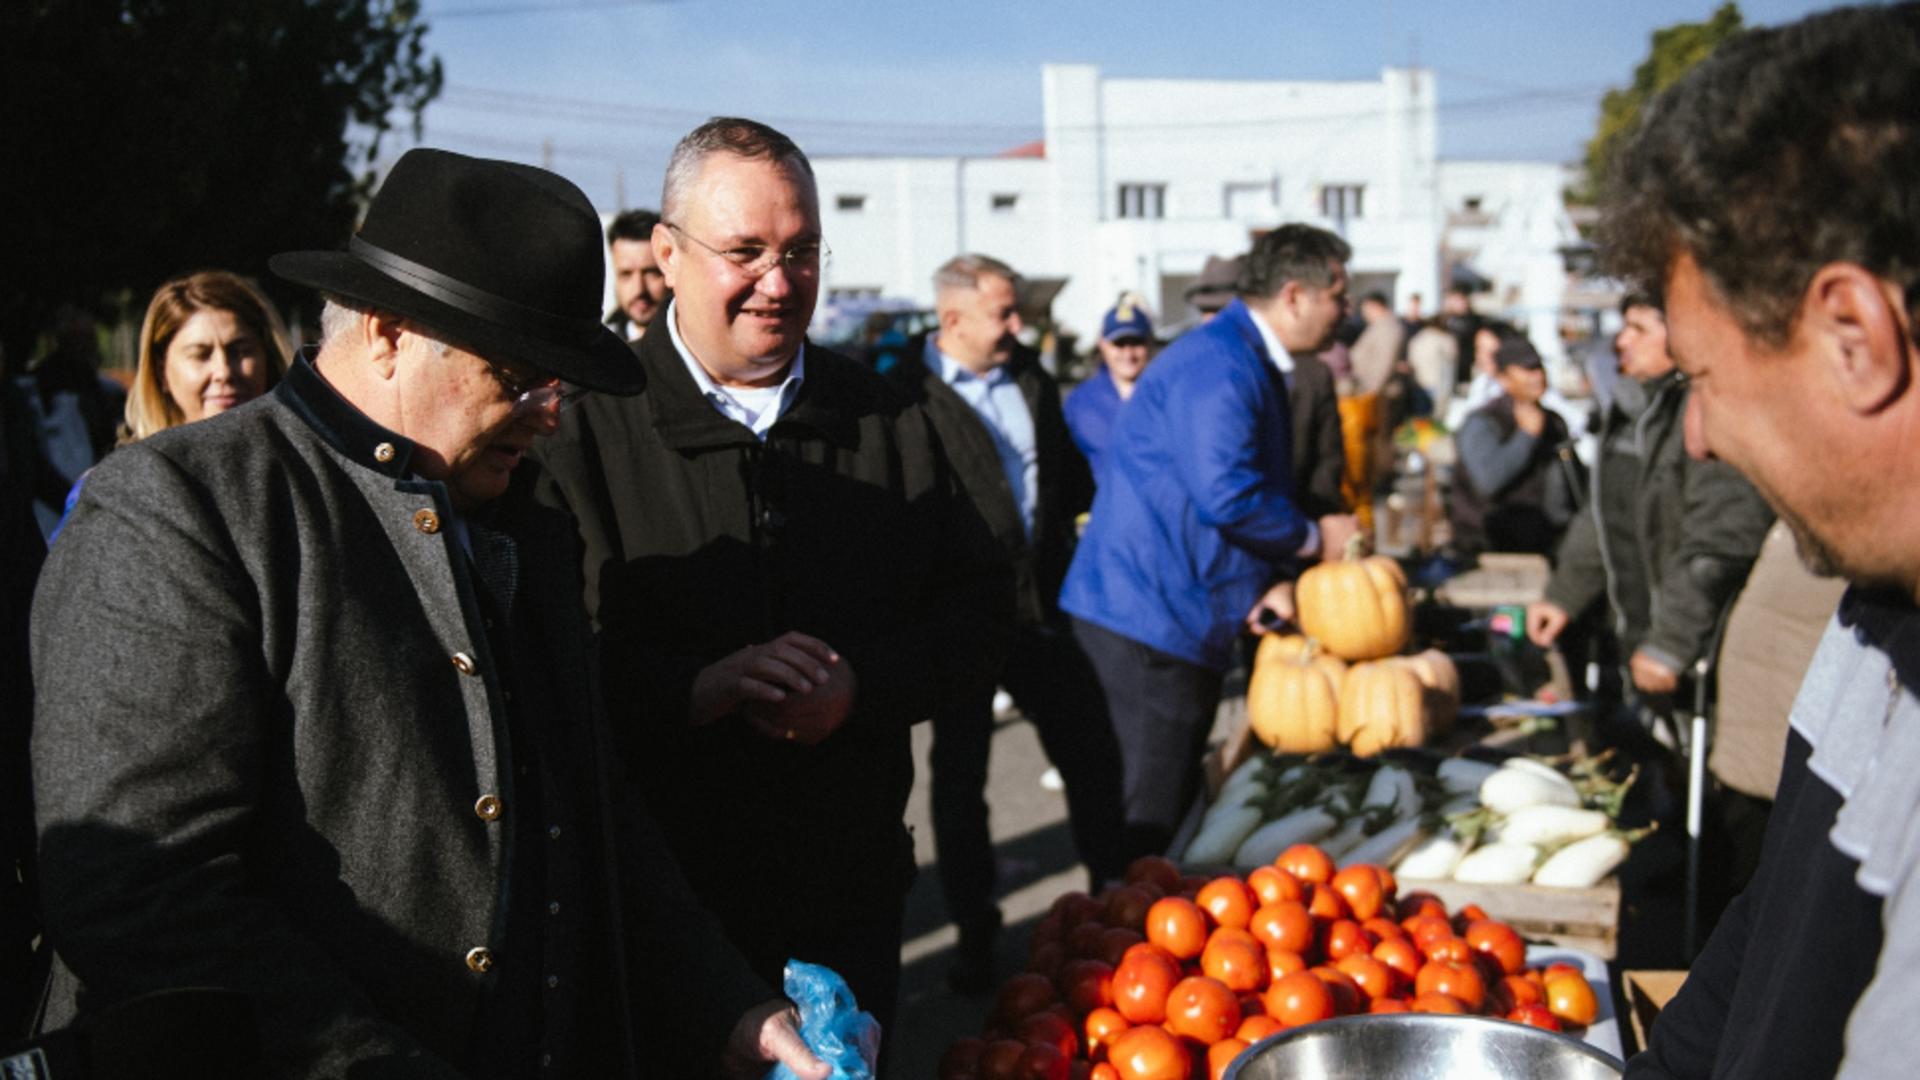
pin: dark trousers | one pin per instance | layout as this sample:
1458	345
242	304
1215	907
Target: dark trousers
1055	686
1162	709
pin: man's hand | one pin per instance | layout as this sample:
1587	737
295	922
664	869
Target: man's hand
768	1034
1545	621
1530	417
1273	609
773	672
1335	531
812	716
1650	676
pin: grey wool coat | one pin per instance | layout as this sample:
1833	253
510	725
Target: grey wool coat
271	753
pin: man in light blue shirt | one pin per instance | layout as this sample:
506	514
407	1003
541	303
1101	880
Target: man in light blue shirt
998	415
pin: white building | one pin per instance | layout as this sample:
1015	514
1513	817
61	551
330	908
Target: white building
1137	181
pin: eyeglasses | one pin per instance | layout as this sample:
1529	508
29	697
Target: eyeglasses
758	260
534	392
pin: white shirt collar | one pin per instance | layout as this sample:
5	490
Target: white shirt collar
953	371
721	397
1282	359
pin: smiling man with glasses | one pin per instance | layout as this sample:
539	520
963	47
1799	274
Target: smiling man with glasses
784	576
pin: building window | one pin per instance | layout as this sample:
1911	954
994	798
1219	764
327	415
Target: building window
851	204
1143	200
1004	203
1343	202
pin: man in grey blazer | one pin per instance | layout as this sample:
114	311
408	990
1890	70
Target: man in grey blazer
316	719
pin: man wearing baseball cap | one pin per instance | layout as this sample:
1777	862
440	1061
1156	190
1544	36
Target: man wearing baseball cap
1126	344
316	721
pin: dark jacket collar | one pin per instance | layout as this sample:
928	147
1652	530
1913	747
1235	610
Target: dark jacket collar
687	420
343	427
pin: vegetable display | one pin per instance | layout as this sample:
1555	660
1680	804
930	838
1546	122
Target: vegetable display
1171	977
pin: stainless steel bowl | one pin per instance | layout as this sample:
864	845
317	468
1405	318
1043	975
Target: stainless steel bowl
1422	1046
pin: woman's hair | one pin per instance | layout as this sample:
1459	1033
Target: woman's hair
150	408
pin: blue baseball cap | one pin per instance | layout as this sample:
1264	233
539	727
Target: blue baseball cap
1126	319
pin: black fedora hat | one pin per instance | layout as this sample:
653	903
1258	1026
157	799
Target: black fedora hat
502	259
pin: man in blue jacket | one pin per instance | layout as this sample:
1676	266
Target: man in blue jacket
1195	530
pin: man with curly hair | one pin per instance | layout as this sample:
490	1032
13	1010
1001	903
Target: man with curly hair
1769	195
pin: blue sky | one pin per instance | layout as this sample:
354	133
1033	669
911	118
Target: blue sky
610	85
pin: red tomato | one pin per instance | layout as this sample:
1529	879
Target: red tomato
1425	928
1570	998
962	1058
1154	870
1535	1015
1299	998
1178	926
1270	885
1523	991
1375	979
1347	998
1102	1026
1387	1005
1415	904
1043	1061
1236	958
1254	1028
1086	985
1022	996
1051	1029
1221	1054
1383	928
1499	941
1283	925
1114	943
1282	963
1451	950
1401	956
1228	901
1306	862
1460	982
1150	1053
1344	937
1467	916
1046	959
1324	903
1360	886
1001	1060
1202	1009
1141	985
1074	907
1126	907
1083	941
1437	1003
1103	1071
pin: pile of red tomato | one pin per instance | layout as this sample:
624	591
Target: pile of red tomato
1167	977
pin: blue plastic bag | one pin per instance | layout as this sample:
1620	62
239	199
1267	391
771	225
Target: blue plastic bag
831	1023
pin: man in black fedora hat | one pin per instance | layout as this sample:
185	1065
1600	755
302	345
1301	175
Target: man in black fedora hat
316	717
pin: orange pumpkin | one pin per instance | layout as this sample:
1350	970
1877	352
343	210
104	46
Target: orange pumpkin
1356	608
1299	649
1440	687
1292	706
1381	707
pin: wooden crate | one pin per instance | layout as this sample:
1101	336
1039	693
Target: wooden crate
1648	992
1586	919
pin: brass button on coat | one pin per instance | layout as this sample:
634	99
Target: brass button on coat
480	960
487	807
464	664
426	521
383	453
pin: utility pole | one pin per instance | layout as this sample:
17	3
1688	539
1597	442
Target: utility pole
546	153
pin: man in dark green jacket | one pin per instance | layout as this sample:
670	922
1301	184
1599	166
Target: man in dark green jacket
1665	538
783	572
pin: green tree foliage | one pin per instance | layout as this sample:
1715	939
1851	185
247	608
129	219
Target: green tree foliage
1674	52
149	138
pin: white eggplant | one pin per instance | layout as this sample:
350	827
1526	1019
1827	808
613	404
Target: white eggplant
1463	776
1511	789
1533	765
1550	826
1581	864
1232	800
1386	846
1345	838
1432	859
1245	774
1392	788
1269	840
1221	835
1498	864
1460	804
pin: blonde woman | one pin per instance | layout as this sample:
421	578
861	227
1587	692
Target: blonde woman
210	342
